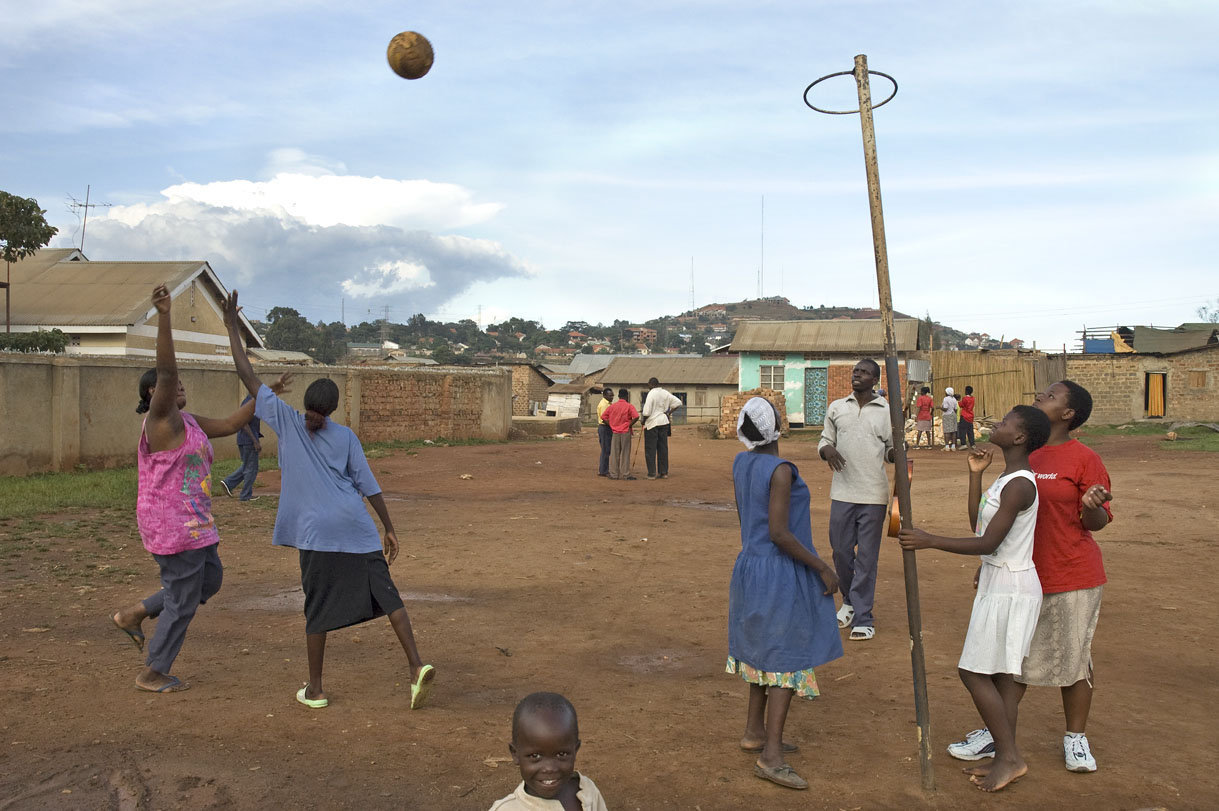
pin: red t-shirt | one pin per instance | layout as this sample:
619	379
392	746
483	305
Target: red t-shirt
967	407
924	404
1066	555
618	416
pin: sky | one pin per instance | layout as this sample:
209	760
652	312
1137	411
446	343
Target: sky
1044	166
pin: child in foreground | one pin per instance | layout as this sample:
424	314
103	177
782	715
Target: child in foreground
325	479
1009	593
545	739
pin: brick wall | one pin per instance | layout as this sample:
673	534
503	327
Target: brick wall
528	386
731	405
423	405
1118	384
840	378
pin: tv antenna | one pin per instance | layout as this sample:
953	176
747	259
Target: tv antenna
77	205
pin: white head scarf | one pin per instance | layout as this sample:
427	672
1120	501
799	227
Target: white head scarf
949	391
762	415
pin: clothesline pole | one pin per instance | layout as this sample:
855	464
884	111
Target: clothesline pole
893	380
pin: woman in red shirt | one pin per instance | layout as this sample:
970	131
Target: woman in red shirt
923	423
965	425
1073	497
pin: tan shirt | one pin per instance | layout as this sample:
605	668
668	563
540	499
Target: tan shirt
519	800
863	435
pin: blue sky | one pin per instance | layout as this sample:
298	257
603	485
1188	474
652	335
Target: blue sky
1045	165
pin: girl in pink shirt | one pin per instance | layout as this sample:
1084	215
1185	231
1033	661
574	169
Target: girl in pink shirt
174	508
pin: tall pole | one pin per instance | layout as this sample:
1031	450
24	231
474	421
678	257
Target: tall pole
893	379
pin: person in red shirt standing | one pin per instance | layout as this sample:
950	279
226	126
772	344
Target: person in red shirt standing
965	426
923	422
1073	494
621	417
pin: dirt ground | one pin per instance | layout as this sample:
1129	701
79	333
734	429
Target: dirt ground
536	574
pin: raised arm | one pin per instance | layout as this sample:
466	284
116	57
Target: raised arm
979	460
240	418
241	360
1018	495
163	426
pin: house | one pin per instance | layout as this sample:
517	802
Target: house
1180	384
697	381
811	361
640	334
106	307
529	387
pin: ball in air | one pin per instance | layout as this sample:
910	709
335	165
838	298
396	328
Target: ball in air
410	55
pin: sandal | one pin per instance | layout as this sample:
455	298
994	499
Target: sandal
422	686
311	703
845	615
780	775
787	748
862	633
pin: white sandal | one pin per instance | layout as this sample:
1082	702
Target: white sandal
862	633
845	615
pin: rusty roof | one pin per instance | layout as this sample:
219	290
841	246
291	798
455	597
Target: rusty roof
840	335
671	371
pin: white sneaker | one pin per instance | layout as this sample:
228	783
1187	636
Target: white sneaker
977	745
1078	755
845	615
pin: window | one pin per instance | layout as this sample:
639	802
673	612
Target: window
771	377
1197	379
700	396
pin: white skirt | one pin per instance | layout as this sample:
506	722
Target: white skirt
1003	620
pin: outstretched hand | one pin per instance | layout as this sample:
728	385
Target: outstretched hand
980	459
282	385
914	538
232	312
161	299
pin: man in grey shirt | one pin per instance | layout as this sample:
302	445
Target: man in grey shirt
856	441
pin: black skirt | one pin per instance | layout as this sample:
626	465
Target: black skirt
343	588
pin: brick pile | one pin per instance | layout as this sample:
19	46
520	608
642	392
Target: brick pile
731	405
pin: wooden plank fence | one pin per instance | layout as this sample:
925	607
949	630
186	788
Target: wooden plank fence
1001	378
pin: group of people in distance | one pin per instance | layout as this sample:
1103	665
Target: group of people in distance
1038	584
616	427
957	419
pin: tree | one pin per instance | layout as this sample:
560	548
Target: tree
23	230
290	331
1208	313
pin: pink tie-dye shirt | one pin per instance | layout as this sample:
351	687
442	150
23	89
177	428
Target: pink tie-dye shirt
174	505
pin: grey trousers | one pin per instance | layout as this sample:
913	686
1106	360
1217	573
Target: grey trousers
855	537
620	456
188	579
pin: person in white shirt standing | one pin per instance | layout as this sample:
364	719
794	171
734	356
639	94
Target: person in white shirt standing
856	441
657	407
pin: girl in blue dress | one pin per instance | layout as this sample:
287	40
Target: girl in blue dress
781	619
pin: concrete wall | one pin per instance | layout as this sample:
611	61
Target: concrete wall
1118	384
61	412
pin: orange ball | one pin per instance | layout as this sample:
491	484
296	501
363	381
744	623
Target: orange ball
410	55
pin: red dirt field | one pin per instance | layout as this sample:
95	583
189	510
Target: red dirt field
535	574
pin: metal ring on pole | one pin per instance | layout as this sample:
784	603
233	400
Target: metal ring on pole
848	73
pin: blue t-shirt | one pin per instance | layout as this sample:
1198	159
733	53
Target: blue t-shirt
325	479
255	426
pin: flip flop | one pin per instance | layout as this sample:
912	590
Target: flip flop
137	636
174	685
311	703
787	748
422	686
781	775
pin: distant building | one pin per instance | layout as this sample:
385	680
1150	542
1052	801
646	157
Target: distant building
641	334
698	382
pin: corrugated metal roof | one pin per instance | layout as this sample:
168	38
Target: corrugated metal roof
671	371
1186	336
839	335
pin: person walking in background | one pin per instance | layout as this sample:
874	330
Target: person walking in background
657	407
923	422
249	446
856	442
621	417
605	434
780	603
965	422
949	407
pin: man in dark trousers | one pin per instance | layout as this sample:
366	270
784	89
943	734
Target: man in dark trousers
249	446
605	434
657	407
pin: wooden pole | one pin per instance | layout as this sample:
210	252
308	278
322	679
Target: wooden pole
893	378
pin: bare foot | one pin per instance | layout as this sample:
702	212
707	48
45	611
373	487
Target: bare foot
1000	775
979	769
154	682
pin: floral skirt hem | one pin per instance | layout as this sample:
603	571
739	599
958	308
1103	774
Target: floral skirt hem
803	682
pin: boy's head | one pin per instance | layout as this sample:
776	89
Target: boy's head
653	383
969	389
623	394
608	392
1025	425
321	399
864	375
545	739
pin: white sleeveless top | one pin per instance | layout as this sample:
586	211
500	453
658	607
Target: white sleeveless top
1016	550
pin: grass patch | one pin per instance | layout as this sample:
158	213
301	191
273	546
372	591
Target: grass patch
1194	438
46	493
